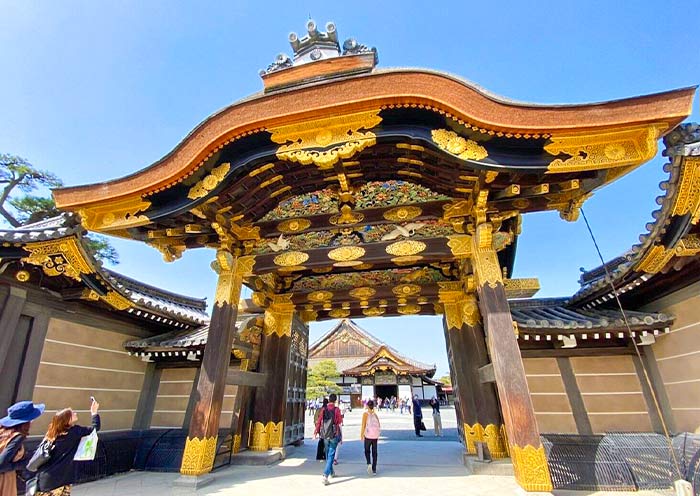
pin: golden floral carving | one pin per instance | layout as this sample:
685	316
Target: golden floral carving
320	296
593	151
208	182
409	309
473	434
115	215
258	438
198	456
117	301
406	248
61	257
236	443
655	260
278	316
688	196
402	214
455	144
460	245
346	253
293	225
275	434
339	137
487	270
521	288
346	217
22	276
406	290
339	313
531	468
689	246
362	293
495	442
458	307
291	258
231	272
373	311
308	315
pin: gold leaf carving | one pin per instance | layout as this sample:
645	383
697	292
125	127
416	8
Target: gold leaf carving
688	196
346	217
487	270
473	434
325	141
460	245
22	276
406	248
495	442
231	273
603	150
275	434
339	313
402	214
236	443
291	258
345	253
655	260
407	260
293	225
117	301
320	296
278	316
59	257
198	456
258	438
373	311
115	215
362	293
409	309
455	144
406	290
531	469
209	182
688	246
521	288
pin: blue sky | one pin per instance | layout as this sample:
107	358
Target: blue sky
94	90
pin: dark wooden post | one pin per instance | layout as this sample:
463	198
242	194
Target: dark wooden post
269	411
200	447
465	340
526	450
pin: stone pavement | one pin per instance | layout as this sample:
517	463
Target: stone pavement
407	465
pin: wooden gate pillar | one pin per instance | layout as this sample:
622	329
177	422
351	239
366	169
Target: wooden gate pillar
269	410
201	444
526	450
465	340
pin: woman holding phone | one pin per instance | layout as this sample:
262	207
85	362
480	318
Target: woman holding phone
55	477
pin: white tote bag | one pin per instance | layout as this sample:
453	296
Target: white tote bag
87	447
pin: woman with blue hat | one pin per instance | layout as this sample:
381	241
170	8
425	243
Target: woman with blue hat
13	429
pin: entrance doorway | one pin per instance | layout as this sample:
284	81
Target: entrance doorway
386	392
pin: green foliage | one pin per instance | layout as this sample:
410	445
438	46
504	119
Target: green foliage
445	379
18	175
317	380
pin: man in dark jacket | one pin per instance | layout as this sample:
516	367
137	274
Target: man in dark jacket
417	415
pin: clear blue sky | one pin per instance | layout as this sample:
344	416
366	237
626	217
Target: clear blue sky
94	90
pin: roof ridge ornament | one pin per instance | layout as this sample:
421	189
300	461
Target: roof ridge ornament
316	46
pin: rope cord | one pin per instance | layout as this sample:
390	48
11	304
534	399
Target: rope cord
609	278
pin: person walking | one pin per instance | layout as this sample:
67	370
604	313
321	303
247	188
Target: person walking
417	416
55	477
14	428
328	428
369	433
437	420
321	448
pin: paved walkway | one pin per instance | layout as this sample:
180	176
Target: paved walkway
407	465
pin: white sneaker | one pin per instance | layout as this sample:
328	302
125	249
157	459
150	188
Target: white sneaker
369	469
325	481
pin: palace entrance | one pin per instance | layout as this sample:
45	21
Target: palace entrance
342	191
386	392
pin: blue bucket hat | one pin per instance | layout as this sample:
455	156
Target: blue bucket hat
19	413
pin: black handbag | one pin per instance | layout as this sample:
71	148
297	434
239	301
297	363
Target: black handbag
422	426
41	455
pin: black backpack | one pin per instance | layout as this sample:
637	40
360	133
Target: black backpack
328	428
